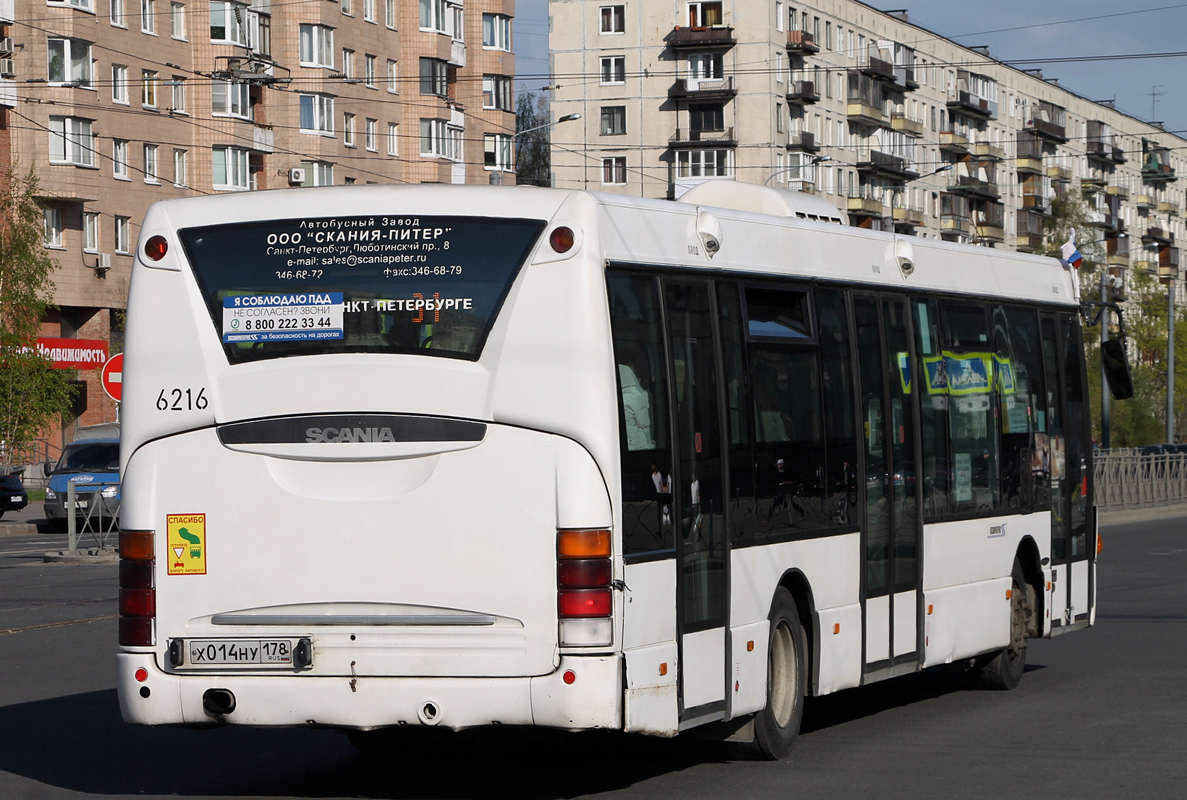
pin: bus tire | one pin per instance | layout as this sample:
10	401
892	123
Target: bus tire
776	725
1003	670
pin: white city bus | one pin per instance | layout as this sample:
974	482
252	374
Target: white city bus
463	456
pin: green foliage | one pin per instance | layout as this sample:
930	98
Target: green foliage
533	160
31	392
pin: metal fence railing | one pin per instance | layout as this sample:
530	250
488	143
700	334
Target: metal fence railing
1129	479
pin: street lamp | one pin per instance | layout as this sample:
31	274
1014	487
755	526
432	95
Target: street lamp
816	160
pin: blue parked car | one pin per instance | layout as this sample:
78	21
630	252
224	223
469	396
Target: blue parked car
93	466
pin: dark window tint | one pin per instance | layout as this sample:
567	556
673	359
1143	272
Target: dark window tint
426	285
933	411
646	455
778	314
97	457
840	488
972	418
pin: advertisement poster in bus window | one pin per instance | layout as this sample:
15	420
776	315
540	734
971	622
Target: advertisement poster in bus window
375	283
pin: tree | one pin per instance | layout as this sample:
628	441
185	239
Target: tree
533	161
32	393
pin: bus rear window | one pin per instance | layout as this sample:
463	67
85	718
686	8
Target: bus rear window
364	284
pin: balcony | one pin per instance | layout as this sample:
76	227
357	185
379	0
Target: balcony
1037	202
1156	172
1144	264
1052	131
990	232
968	186
700	89
861	111
457	54
954	142
1117	190
955	224
1159	236
1029	242
801	42
969	103
1167	207
802	140
701	38
802	92
909	215
686	137
1145	201
1117	261
866	206
908	125
1058	173
985	151
263	139
878	69
1168	264
1105	152
885	165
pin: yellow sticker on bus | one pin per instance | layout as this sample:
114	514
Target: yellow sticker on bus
186	538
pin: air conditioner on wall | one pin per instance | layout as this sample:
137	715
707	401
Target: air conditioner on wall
296	176
7	70
6	46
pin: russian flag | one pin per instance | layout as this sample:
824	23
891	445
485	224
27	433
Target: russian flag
1071	255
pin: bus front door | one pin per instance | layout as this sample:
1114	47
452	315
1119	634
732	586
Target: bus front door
890	517
698	492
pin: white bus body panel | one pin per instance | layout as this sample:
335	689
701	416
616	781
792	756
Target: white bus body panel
649	647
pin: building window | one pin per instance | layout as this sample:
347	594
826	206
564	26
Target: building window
259	32
148	16
119	84
705	67
369	71
496	32
497	152
149	96
369	10
706	116
432	15
70	62
119	158
348	129
230	169
347	63
178	87
779	124
177	20
53	227
226	22
317	46
613	70
123	235
440	140
71	141
117	14
704	163
389	13
317	114
85	5
704	14
371	134
150	163
393	139
90	231
228	98
614	171
613	120
434	76
393	83
180	168
496	92
613	21
779	67
318	173
348	8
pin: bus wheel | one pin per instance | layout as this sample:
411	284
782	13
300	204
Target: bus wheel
1003	670
776	726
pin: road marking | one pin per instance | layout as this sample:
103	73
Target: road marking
25	628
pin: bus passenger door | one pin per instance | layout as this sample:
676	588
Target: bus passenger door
890	518
699	495
1070	468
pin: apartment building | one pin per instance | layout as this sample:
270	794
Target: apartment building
902	128
116	104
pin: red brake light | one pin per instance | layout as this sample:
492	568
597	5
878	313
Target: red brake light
562	239
156	247
578	603
136	632
138	598
136	574
138	603
583	573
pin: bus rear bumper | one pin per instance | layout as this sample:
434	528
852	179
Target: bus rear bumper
590	698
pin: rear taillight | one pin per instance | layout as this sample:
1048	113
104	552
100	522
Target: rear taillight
138	594
585	598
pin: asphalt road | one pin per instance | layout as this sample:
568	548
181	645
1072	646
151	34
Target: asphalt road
1100	714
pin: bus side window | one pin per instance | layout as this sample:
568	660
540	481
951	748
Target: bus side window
740	433
933	411
972	419
646	456
840	488
1026	409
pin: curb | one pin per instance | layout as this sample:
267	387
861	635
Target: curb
91	556
1123	515
18	529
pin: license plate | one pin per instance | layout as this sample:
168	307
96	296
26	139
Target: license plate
239	652
14	499
80	504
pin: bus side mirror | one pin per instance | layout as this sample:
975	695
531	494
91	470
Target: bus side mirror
1116	369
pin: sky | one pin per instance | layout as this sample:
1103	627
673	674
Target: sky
1145	87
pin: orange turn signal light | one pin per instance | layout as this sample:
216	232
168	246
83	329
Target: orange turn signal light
583	543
